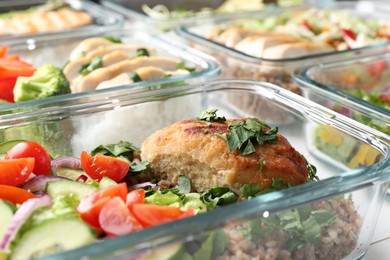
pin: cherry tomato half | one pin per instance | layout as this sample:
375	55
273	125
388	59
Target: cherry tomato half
101	165
14	194
14	172
152	215
115	218
34	150
135	197
91	205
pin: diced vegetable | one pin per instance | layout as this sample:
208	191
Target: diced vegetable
47	81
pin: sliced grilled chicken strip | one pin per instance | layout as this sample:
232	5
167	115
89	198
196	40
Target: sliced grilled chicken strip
294	50
92	80
107	60
88	45
145	73
231	36
73	67
255	45
121	79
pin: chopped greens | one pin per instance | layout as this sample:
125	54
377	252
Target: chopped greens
210	115
96	62
135	77
252	190
142	52
125	151
243	133
182	66
112	39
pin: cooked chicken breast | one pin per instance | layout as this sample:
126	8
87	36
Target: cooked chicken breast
44	21
294	50
145	73
129	51
92	80
255	45
191	148
88	45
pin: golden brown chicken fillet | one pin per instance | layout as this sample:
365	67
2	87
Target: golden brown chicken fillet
193	149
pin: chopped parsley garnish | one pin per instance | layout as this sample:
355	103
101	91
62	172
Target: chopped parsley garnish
96	62
142	52
252	190
243	133
135	77
261	162
124	151
312	172
112	39
210	115
182	66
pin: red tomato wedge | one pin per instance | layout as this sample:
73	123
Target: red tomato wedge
135	197
15	68
33	150
152	215
3	51
15	172
14	194
115	218
7	89
91	205
101	165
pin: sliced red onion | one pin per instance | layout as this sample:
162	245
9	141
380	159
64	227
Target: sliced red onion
21	215
38	183
142	185
82	178
68	162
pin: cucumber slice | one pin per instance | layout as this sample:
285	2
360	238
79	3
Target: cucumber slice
106	182
170	252
64	187
69	173
52	236
7	210
6	146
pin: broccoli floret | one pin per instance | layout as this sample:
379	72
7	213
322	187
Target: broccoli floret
47	81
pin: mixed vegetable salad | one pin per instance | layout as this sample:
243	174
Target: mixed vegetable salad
96	63
53	205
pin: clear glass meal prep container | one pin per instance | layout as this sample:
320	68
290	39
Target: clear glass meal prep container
328	83
132	9
238	65
56	49
103	18
352	161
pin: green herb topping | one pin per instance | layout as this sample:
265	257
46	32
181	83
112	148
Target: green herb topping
125	151
96	62
243	133
252	190
210	115
142	52
182	66
112	39
135	77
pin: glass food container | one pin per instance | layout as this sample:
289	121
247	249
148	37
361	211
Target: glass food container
357	88
170	14
57	50
279	58
332	218
102	18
